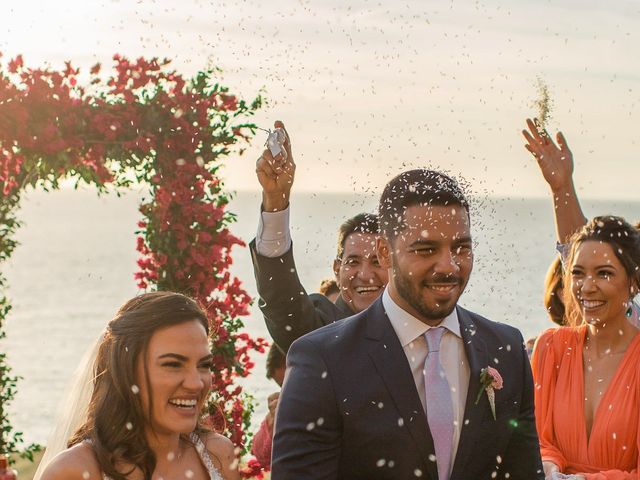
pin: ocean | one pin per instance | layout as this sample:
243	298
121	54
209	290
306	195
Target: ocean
75	263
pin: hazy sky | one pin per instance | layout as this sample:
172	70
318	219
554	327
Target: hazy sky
368	88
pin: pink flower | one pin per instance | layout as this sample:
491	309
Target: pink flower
495	377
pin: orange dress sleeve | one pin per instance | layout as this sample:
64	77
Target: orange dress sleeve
544	364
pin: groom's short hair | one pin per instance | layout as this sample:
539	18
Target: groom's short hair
416	187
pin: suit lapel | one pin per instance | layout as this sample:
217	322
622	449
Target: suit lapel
478	358
391	363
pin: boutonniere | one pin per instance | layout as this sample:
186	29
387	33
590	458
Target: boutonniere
490	381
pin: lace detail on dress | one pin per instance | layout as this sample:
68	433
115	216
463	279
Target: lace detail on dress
203	453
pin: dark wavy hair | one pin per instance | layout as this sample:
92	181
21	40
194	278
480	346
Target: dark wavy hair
115	407
624	240
553	300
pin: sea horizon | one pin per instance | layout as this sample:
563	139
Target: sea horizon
76	259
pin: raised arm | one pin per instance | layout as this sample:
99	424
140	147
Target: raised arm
556	165
288	310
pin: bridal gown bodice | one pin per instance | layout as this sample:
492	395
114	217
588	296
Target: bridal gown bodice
204	455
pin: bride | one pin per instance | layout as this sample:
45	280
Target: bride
136	413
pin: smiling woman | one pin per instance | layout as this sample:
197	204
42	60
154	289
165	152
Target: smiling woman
594	362
150	379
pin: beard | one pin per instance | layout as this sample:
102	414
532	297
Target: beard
412	295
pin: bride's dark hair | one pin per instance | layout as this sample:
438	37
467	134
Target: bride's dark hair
116	418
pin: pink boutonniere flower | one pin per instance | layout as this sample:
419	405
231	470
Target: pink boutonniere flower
490	381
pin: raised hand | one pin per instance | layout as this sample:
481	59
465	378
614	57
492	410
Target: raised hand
272	402
555	161
276	175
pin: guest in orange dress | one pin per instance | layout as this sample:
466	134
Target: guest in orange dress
587	379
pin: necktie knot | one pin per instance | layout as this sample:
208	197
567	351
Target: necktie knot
433	337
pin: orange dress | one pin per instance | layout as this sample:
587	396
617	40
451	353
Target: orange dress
611	453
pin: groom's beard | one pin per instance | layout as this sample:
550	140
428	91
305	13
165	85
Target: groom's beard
413	294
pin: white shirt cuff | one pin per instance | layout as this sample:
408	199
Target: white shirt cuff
273	238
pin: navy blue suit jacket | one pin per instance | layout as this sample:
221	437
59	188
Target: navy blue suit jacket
288	310
349	408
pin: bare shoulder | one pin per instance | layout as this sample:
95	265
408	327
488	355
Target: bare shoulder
75	463
224	455
558	337
219	445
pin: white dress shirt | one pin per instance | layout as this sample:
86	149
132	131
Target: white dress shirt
273	238
410	332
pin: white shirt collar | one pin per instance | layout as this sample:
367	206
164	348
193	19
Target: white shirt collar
408	327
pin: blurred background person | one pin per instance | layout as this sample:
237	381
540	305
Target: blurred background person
263	439
329	288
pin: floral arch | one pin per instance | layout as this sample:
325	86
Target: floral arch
143	124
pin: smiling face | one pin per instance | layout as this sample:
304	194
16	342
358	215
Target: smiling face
359	275
431	261
178	363
600	286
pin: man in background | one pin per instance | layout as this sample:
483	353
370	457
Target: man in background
288	310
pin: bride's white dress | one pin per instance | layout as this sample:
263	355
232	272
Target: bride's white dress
205	458
73	413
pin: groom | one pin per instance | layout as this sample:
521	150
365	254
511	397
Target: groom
399	390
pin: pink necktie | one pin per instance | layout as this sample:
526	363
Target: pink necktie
439	406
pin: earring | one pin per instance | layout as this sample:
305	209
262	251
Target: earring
629	311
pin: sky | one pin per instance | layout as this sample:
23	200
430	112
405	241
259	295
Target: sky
370	88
